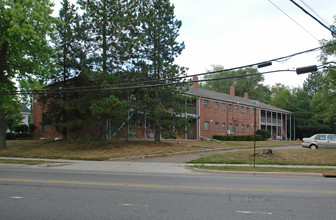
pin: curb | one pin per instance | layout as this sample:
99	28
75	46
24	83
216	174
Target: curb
257	173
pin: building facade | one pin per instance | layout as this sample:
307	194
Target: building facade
213	113
226	114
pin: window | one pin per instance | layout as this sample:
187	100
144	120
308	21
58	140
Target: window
247	109
206	103
236	128
242	109
242	128
216	126
236	108
321	137
230	127
230	107
247	128
206	126
331	137
223	106
223	127
216	105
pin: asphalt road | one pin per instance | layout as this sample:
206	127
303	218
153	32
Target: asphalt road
33	193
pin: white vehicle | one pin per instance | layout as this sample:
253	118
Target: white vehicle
320	141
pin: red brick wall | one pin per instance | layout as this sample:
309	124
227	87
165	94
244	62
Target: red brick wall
213	115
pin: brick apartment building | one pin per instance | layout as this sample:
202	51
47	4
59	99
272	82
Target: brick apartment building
214	114
227	114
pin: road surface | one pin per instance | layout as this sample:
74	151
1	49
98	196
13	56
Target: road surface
41	193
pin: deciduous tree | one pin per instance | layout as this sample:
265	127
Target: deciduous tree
25	53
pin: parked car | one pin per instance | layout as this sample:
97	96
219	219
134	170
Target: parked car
320	141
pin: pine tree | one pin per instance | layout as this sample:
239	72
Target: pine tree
106	30
59	110
163	107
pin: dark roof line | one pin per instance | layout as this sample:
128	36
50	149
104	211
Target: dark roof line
234	99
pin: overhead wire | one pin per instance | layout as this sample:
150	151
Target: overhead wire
305	11
310	8
119	86
293	20
42	92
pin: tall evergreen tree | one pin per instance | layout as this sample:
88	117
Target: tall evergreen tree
24	48
106	30
58	110
162	107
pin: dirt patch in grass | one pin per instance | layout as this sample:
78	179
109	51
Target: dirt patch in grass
323	157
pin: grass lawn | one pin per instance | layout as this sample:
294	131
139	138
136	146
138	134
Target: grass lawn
91	150
321	157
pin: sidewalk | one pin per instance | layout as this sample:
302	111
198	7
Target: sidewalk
140	167
106	166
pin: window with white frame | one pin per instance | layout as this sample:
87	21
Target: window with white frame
206	126
223	127
216	105
216	126
223	106
236	128
247	128
206	103
242	128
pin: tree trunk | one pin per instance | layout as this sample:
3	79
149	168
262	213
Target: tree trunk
157	125
2	130
3	54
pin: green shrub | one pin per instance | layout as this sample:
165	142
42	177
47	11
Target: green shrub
10	136
237	137
265	134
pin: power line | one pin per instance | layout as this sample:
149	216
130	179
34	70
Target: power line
44	92
305	11
324	20
293	20
118	86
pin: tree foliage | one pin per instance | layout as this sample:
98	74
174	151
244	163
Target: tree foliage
163	108
250	84
24	49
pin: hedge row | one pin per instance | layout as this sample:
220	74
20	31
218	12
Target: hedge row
13	136
237	137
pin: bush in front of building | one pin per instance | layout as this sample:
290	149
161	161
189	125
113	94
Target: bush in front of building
10	136
265	134
21	131
237	137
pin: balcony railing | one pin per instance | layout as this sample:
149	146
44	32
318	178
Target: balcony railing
271	121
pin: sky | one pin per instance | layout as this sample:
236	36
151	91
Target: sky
235	33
